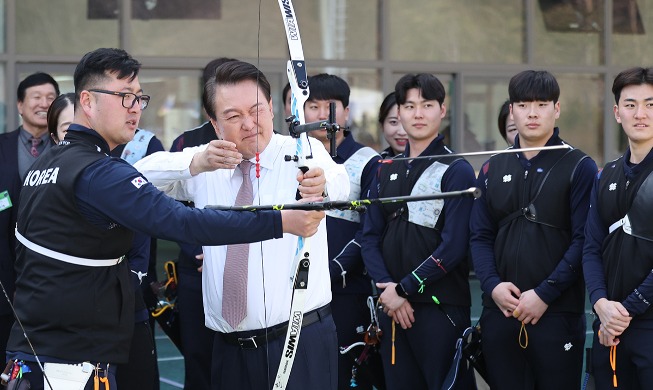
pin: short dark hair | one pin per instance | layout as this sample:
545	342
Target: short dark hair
230	73
33	80
95	66
325	86
631	76
504	111
58	105
429	86
208	72
386	105
533	85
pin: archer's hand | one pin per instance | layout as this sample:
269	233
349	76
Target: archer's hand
403	315
300	222
506	296
531	307
311	183
219	154
395	306
613	316
606	338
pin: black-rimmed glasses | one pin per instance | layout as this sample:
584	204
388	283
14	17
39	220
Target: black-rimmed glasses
128	99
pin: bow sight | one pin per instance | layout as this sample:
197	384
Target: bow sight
296	129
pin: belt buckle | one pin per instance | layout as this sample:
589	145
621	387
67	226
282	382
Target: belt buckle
247	342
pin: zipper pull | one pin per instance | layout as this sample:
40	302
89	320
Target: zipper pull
525	175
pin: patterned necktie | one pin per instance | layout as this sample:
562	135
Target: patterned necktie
234	300
35	142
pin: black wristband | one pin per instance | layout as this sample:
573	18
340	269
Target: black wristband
401	291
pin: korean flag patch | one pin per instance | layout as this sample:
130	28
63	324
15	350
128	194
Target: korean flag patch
139	182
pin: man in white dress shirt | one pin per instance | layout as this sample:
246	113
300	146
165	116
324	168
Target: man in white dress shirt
246	355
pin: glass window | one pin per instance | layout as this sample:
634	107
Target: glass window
632	32
3	100
2	26
330	29
568	32
62	27
176	104
489	31
581	120
482	99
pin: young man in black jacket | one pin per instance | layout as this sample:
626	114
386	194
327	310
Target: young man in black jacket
618	253
526	243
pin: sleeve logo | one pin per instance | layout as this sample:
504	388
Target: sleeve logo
139	182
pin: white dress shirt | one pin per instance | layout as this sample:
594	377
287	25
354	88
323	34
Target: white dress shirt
270	260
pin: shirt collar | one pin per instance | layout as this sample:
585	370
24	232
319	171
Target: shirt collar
95	137
25	136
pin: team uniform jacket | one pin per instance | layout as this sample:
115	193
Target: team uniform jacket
427	238
78	201
527	226
343	227
617	262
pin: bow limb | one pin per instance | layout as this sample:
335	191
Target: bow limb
298	79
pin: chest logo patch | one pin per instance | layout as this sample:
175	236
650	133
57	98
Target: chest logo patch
393	177
507	178
612	187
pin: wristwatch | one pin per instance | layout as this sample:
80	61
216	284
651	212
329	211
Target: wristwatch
401	291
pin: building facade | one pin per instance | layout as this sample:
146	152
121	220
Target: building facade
474	47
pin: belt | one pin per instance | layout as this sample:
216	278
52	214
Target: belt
252	339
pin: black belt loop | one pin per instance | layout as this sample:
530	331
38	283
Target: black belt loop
257	338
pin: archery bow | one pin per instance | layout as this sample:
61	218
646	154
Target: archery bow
356	205
296	70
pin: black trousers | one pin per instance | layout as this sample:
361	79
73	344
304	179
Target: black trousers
425	352
6	322
553	358
634	360
315	365
142	371
196	339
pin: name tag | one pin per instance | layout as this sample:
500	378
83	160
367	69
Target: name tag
5	200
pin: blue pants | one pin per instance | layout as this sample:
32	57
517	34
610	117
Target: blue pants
141	372
424	353
196	339
634	360
553	358
315	365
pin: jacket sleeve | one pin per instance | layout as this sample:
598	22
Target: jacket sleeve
373	228
595	234
569	269
483	231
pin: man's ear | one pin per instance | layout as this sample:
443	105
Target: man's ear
86	101
616	113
